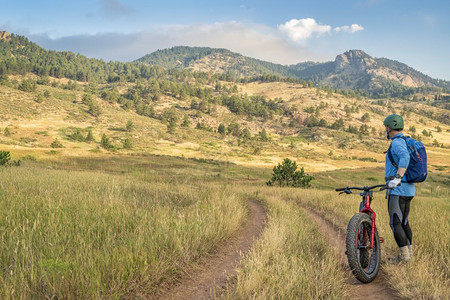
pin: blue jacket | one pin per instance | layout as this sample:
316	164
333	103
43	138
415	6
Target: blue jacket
401	158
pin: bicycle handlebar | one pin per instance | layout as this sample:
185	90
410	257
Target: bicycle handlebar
365	188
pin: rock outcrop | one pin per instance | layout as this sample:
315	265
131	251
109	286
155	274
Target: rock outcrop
354	61
4	35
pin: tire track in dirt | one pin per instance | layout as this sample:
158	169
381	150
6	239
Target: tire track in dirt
377	289
211	274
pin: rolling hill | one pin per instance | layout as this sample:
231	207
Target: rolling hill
353	69
48	96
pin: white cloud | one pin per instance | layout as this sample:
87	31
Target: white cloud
351	29
303	29
253	40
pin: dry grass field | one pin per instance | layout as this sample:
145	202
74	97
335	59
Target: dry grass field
101	234
85	222
114	226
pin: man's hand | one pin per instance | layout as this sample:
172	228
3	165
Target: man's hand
394	182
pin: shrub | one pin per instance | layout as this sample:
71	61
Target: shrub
56	144
263	135
39	98
234	129
27	85
5	156
105	142
286	174
7	131
170	118
365	117
127	144
87	99
94	109
4	80
246	135
43	80
47	94
221	129
77	136
130	126
90	137
427	133
186	121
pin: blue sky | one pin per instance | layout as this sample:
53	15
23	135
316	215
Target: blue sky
413	32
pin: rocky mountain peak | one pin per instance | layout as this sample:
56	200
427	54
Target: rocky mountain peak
353	61
4	35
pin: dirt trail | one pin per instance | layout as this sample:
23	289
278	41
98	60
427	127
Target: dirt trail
377	289
213	272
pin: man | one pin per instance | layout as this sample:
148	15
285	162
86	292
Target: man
400	195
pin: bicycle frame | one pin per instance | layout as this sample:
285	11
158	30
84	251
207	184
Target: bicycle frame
367	197
363	252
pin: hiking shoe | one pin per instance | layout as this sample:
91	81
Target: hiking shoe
403	257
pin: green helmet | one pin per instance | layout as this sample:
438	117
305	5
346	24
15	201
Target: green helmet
394	122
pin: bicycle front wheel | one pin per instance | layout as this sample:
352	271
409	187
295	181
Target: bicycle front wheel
364	261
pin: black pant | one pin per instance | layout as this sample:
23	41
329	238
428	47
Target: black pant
398	214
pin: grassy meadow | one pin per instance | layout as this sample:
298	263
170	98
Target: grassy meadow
117	226
97	234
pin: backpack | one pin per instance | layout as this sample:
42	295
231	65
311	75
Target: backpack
417	168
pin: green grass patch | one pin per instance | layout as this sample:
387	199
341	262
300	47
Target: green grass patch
87	234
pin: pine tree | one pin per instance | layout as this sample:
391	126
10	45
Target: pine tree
77	136
365	117
263	135
5	156
130	125
186	121
170	118
221	129
56	144
105	143
94	109
246	135
286	174
89	137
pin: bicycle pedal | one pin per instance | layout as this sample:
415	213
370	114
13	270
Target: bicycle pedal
381	239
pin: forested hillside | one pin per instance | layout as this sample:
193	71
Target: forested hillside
186	57
352	71
79	103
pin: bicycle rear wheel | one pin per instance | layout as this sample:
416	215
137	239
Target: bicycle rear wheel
364	261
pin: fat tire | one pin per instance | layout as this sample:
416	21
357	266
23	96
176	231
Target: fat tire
364	263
